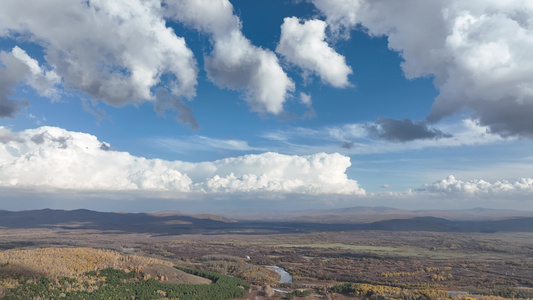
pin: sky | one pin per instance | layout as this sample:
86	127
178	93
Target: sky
261	105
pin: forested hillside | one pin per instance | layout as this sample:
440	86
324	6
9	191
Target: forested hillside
85	273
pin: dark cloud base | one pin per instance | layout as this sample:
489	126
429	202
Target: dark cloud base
404	130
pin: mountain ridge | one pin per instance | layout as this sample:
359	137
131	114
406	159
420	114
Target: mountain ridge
368	214
359	219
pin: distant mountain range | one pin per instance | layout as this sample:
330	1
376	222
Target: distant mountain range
355	218
365	214
164	223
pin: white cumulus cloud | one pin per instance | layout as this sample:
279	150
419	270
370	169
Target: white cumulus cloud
304	45
235	63
477	51
454	187
56	158
314	174
341	15
18	67
43	81
115	51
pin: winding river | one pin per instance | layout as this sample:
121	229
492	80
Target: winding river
285	277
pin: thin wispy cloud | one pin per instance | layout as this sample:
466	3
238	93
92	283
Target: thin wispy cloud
202	143
366	138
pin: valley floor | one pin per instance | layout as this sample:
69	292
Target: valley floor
452	264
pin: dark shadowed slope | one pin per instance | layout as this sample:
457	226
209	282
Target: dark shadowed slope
105	221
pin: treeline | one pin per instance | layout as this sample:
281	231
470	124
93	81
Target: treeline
59	262
414	273
378	292
238	267
117	284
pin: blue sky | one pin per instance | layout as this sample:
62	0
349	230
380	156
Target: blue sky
173	104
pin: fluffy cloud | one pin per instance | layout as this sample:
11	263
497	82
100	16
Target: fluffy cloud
458	188
19	67
54	157
43	81
341	15
478	52
315	174
235	63
115	51
304	45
